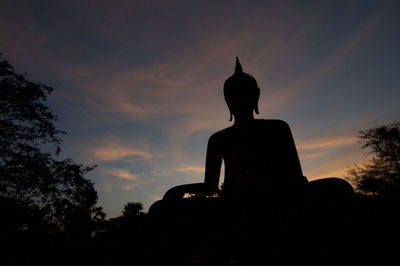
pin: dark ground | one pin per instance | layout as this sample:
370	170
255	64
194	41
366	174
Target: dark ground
363	231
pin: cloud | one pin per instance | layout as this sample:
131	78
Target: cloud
126	180
156	197
128	186
330	142
191	169
115	147
336	165
118	153
123	174
314	153
329	155
306	155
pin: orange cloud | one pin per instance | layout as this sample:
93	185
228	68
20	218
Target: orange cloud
156	197
329	156
305	155
117	153
123	174
337	165
327	143
129	181
112	148
193	169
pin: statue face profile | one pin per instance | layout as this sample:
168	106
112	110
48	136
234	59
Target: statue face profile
241	92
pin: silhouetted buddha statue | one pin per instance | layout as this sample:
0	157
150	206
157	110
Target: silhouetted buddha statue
260	156
264	196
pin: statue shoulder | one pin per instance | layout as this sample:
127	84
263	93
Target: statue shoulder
273	123
220	135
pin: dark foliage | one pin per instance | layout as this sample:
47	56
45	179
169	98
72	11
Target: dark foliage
132	209
30	176
381	174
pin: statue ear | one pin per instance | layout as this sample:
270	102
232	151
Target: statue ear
229	107
256	102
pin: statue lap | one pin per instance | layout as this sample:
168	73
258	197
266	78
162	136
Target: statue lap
320	193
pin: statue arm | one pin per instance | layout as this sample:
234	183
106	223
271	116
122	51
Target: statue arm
210	185
288	145
213	164
294	155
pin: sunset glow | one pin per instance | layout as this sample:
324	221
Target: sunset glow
138	84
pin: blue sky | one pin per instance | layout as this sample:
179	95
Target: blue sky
138	84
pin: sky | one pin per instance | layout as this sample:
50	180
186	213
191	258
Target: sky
138	84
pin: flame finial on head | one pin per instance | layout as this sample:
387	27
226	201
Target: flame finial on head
238	67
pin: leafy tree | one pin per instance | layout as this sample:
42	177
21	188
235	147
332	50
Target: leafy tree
28	172
381	174
132	209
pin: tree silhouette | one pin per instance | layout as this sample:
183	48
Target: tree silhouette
29	173
381	174
132	209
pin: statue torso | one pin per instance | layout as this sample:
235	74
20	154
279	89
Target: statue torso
258	156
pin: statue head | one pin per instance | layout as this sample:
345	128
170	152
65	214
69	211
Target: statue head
241	92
